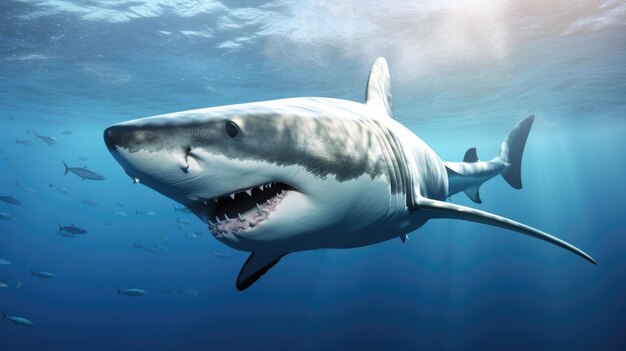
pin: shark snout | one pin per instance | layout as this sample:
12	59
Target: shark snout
115	136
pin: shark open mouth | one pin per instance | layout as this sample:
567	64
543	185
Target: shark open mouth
244	209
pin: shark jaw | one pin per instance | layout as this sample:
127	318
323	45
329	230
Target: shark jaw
238	212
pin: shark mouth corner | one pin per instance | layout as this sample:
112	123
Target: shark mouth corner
244	209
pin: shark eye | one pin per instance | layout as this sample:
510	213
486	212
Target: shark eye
232	129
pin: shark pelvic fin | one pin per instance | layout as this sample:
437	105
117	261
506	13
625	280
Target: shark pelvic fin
254	268
378	93
474	194
439	209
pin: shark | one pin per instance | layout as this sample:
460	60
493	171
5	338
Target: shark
277	177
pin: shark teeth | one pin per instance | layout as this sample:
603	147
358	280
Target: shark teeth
248	207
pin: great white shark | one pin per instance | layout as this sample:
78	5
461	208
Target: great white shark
282	176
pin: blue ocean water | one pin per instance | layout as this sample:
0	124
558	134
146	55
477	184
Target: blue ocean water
461	77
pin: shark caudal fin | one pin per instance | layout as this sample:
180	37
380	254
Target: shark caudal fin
66	168
469	175
512	150
433	209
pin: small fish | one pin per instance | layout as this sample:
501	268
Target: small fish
221	254
191	235
24	142
62	190
24	188
140	246
4	262
66	132
18	285
192	293
119	204
46	139
181	209
6	216
83	172
119	213
10	200
3	285
82	158
131	292
89	203
71	229
18	320
43	275
182	221
145	212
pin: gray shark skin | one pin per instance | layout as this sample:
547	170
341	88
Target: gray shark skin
18	320
281	176
131	292
83	172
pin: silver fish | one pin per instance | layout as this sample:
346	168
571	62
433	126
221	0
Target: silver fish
83	172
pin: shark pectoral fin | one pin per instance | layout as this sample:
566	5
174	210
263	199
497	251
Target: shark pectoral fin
439	209
474	194
257	264
404	237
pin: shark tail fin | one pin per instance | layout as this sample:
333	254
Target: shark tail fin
60	226
66	168
438	209
512	150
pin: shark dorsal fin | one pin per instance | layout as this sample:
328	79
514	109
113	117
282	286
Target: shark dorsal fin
254	268
470	155
378	93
